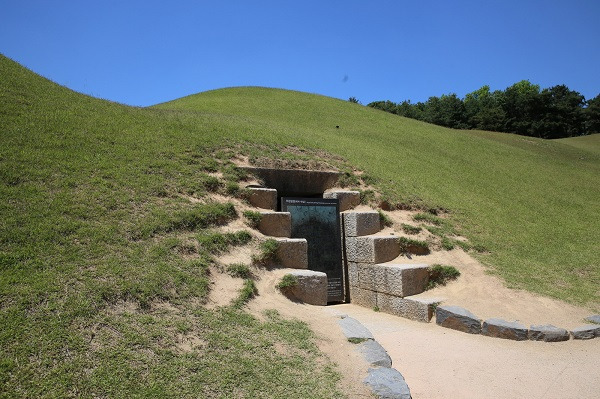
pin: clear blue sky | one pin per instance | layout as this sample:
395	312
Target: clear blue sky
147	52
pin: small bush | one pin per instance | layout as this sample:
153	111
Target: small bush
441	274
252	218
287	282
408	229
239	270
384	219
268	250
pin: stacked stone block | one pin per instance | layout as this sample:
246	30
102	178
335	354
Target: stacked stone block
376	284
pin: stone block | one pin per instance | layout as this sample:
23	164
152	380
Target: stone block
595	319
587	331
362	297
353	278
265	198
292	253
360	223
354	330
275	224
548	333
347	199
504	329
418	309
375	354
387	383
457	318
311	287
398	279
372	249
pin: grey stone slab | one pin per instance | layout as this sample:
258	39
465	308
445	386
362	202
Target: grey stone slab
375	354
353	274
361	223
348	199
372	249
399	279
354	330
418	309
587	331
387	383
265	198
292	252
457	318
593	319
499	328
548	333
295	182
362	297
311	287
275	224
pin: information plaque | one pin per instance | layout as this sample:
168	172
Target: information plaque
318	221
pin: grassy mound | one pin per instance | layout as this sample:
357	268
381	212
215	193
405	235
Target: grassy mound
96	297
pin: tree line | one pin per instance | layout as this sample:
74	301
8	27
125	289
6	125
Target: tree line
522	108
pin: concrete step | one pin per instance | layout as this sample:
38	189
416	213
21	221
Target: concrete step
265	198
311	287
292	253
348	199
275	224
360	223
413	308
372	249
396	279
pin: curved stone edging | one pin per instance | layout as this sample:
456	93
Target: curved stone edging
460	319
384	381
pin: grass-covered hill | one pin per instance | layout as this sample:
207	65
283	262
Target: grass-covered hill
96	297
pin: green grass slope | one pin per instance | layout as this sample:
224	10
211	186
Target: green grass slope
532	203
94	224
588	143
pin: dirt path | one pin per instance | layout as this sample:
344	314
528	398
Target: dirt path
442	363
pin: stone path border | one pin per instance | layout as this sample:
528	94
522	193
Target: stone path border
460	319
384	381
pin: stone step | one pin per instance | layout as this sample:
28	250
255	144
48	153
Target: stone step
348	199
292	253
311	287
413	308
389	278
265	198
360	223
372	249
275	224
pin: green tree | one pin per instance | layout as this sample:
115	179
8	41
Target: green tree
562	113
592	115
521	104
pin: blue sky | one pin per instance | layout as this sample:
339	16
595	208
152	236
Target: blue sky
147	52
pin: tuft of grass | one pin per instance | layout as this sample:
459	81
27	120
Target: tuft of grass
211	183
409	245
366	196
441	275
448	244
199	216
287	282
268	252
384	219
355	340
239	270
408	229
247	292
252	218
215	242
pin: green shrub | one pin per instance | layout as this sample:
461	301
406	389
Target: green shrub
268	251
441	274
252	218
287	282
239	270
408	229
